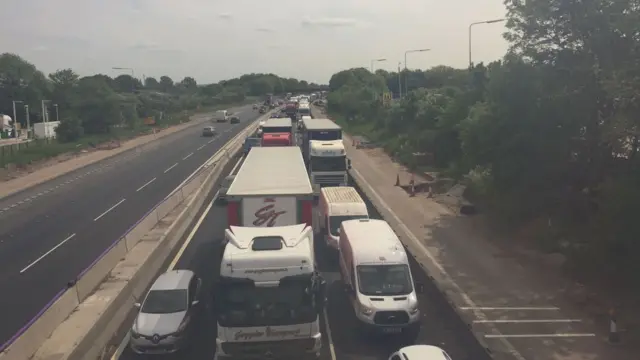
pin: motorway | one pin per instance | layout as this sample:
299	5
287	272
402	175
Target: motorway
50	233
202	254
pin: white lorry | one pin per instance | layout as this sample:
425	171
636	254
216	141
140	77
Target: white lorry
269	296
338	204
377	278
324	153
271	188
222	116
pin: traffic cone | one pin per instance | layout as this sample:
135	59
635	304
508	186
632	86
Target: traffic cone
614	335
398	179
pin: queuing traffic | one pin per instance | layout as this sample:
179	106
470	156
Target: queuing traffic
289	208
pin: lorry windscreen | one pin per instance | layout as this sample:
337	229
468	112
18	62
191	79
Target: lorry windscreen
242	304
325	135
384	280
336	221
328	163
275	129
304	111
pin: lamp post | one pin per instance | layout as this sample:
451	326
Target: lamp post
478	23
26	109
45	115
375	61
57	112
399	81
406	87
15	116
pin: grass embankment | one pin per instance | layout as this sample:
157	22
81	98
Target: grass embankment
22	154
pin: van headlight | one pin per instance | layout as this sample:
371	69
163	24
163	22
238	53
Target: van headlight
414	310
365	310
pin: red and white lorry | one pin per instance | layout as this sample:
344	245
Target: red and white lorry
277	132
272	188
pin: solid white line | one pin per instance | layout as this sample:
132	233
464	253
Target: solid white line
548	308
332	349
526	321
171	167
145	185
47	253
210	141
109	209
465	297
516	336
201	147
186	157
233	171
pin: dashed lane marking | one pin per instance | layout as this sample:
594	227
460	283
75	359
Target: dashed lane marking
109	210
145	184
47	253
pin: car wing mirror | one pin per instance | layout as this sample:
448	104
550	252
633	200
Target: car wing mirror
137	305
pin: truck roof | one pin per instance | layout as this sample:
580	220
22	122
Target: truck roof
277	122
343	201
278	170
257	254
320	124
330	145
373	242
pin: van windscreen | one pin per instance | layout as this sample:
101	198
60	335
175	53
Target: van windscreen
384	280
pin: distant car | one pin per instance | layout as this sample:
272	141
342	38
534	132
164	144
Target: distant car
224	187
255	106
263	110
420	352
234	119
167	313
209	131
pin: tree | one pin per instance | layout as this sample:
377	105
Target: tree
166	84
63	82
151	83
20	81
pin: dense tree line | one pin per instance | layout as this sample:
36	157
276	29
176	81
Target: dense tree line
95	105
547	137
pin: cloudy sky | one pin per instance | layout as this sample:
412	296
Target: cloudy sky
213	40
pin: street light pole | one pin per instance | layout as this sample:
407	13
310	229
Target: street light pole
45	115
26	109
15	116
57	112
406	87
478	23
375	61
399	81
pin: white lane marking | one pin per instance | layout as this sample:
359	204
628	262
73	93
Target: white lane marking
177	257
201	147
526	321
533	308
109	209
186	157
465	297
47	253
332	350
520	336
210	141
145	185
171	167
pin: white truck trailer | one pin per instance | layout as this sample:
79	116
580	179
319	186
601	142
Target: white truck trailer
272	188
269	296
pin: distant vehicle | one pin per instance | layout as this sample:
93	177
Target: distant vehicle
234	119
262	110
222	116
420	352
255	106
338	204
250	142
224	187
209	131
277	132
166	314
274	116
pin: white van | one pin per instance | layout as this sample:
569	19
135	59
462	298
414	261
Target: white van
222	116
377	277
338	204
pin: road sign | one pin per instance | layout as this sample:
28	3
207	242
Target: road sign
387	98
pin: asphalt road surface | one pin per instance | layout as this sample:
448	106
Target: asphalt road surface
341	340
48	240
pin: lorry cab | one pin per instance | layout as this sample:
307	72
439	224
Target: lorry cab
269	296
338	204
378	281
277	132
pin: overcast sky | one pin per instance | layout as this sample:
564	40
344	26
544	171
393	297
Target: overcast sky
213	40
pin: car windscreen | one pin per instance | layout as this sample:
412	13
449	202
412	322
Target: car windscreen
384	280
165	301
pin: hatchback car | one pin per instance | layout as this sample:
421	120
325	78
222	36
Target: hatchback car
235	119
209	131
167	313
224	187
420	352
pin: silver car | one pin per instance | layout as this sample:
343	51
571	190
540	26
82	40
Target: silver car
167	313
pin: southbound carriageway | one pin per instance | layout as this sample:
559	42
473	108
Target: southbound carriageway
202	253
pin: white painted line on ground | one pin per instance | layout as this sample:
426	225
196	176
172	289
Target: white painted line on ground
145	185
332	350
526	321
465	297
201	147
533	308
210	141
524	336
109	209
186	157
171	167
47	253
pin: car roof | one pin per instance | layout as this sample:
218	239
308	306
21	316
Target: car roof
423	352
173	280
